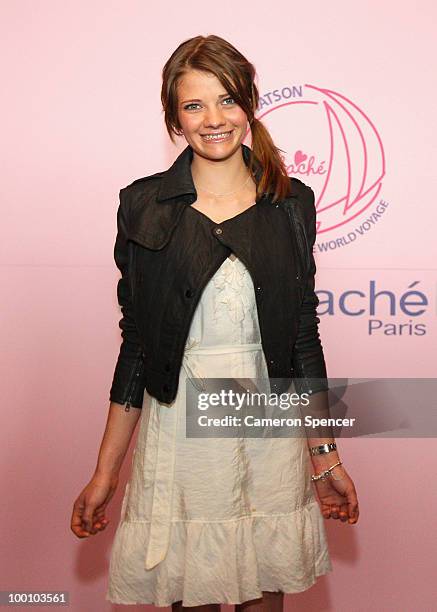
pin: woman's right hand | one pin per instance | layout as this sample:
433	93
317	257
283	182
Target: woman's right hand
88	516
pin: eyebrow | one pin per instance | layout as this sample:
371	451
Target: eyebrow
197	99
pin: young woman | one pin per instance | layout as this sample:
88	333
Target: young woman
217	282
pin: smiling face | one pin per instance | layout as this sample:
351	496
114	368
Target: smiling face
206	109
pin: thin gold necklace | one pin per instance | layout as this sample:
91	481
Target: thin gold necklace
221	195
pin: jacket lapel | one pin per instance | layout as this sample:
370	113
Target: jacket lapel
155	213
152	225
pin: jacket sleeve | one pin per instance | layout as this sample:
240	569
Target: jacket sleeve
129	376
308	358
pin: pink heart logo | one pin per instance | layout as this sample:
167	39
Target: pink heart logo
299	157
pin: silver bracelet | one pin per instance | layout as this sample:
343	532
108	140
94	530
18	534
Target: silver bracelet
323	448
323	475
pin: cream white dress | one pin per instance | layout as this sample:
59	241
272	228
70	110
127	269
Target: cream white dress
216	520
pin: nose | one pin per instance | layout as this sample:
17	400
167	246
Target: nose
214	118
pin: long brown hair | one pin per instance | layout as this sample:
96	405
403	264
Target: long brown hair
217	56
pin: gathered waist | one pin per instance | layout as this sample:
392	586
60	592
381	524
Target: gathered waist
223	349
193	367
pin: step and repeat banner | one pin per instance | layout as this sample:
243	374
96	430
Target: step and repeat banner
375	255
348	94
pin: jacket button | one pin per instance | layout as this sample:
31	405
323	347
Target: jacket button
189	293
272	361
218	230
258	288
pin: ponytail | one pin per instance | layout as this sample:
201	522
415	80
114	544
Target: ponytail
274	178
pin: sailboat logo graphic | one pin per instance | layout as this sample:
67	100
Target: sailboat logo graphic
337	150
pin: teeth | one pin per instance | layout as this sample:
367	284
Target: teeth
216	136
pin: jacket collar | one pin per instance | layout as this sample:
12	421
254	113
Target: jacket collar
152	225
178	180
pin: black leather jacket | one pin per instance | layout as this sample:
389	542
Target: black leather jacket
165	265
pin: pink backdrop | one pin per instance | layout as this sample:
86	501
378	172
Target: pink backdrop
348	92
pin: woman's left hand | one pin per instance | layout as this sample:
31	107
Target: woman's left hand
338	496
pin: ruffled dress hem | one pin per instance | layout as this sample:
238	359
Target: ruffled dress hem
224	562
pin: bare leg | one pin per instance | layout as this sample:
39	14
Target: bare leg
269	602
178	607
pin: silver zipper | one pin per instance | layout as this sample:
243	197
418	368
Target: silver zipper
300	244
132	386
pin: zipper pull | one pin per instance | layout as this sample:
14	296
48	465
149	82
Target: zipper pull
127	407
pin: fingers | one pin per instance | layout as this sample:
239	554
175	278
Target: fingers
353	509
347	512
93	522
76	519
343	513
100	521
76	526
86	521
354	512
330	510
335	511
